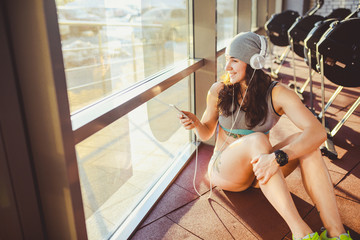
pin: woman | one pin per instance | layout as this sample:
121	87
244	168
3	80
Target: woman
246	106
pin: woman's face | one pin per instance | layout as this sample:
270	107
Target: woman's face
236	69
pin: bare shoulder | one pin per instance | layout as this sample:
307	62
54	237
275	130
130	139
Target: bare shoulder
280	87
283	96
283	91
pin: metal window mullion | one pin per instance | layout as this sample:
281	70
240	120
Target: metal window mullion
204	47
84	126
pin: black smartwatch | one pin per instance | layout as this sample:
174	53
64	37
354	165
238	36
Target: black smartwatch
281	157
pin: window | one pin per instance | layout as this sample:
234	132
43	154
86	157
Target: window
111	50
120	164
226	30
226	12
221	61
109	46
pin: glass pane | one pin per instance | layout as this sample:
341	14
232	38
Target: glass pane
109	45
221	61
225	22
119	164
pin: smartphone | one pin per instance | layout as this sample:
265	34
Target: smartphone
178	110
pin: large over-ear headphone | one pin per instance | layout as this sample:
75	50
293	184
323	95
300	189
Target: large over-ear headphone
257	61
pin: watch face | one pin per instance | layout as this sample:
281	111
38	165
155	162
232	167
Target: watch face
281	157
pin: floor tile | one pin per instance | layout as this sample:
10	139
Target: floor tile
350	215
257	214
349	187
346	162
211	219
174	198
164	229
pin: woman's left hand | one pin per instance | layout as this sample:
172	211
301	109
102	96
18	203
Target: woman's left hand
264	167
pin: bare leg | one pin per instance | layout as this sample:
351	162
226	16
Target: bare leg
284	204
318	184
238	156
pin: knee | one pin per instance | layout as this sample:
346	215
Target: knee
260	142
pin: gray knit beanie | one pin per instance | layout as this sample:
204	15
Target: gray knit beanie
244	45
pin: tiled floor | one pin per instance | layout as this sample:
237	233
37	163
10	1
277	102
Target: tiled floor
181	214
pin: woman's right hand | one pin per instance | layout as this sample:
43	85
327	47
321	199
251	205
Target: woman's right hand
190	121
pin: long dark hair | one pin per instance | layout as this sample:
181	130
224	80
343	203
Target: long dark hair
254	105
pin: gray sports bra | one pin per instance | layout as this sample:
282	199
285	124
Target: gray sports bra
240	127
